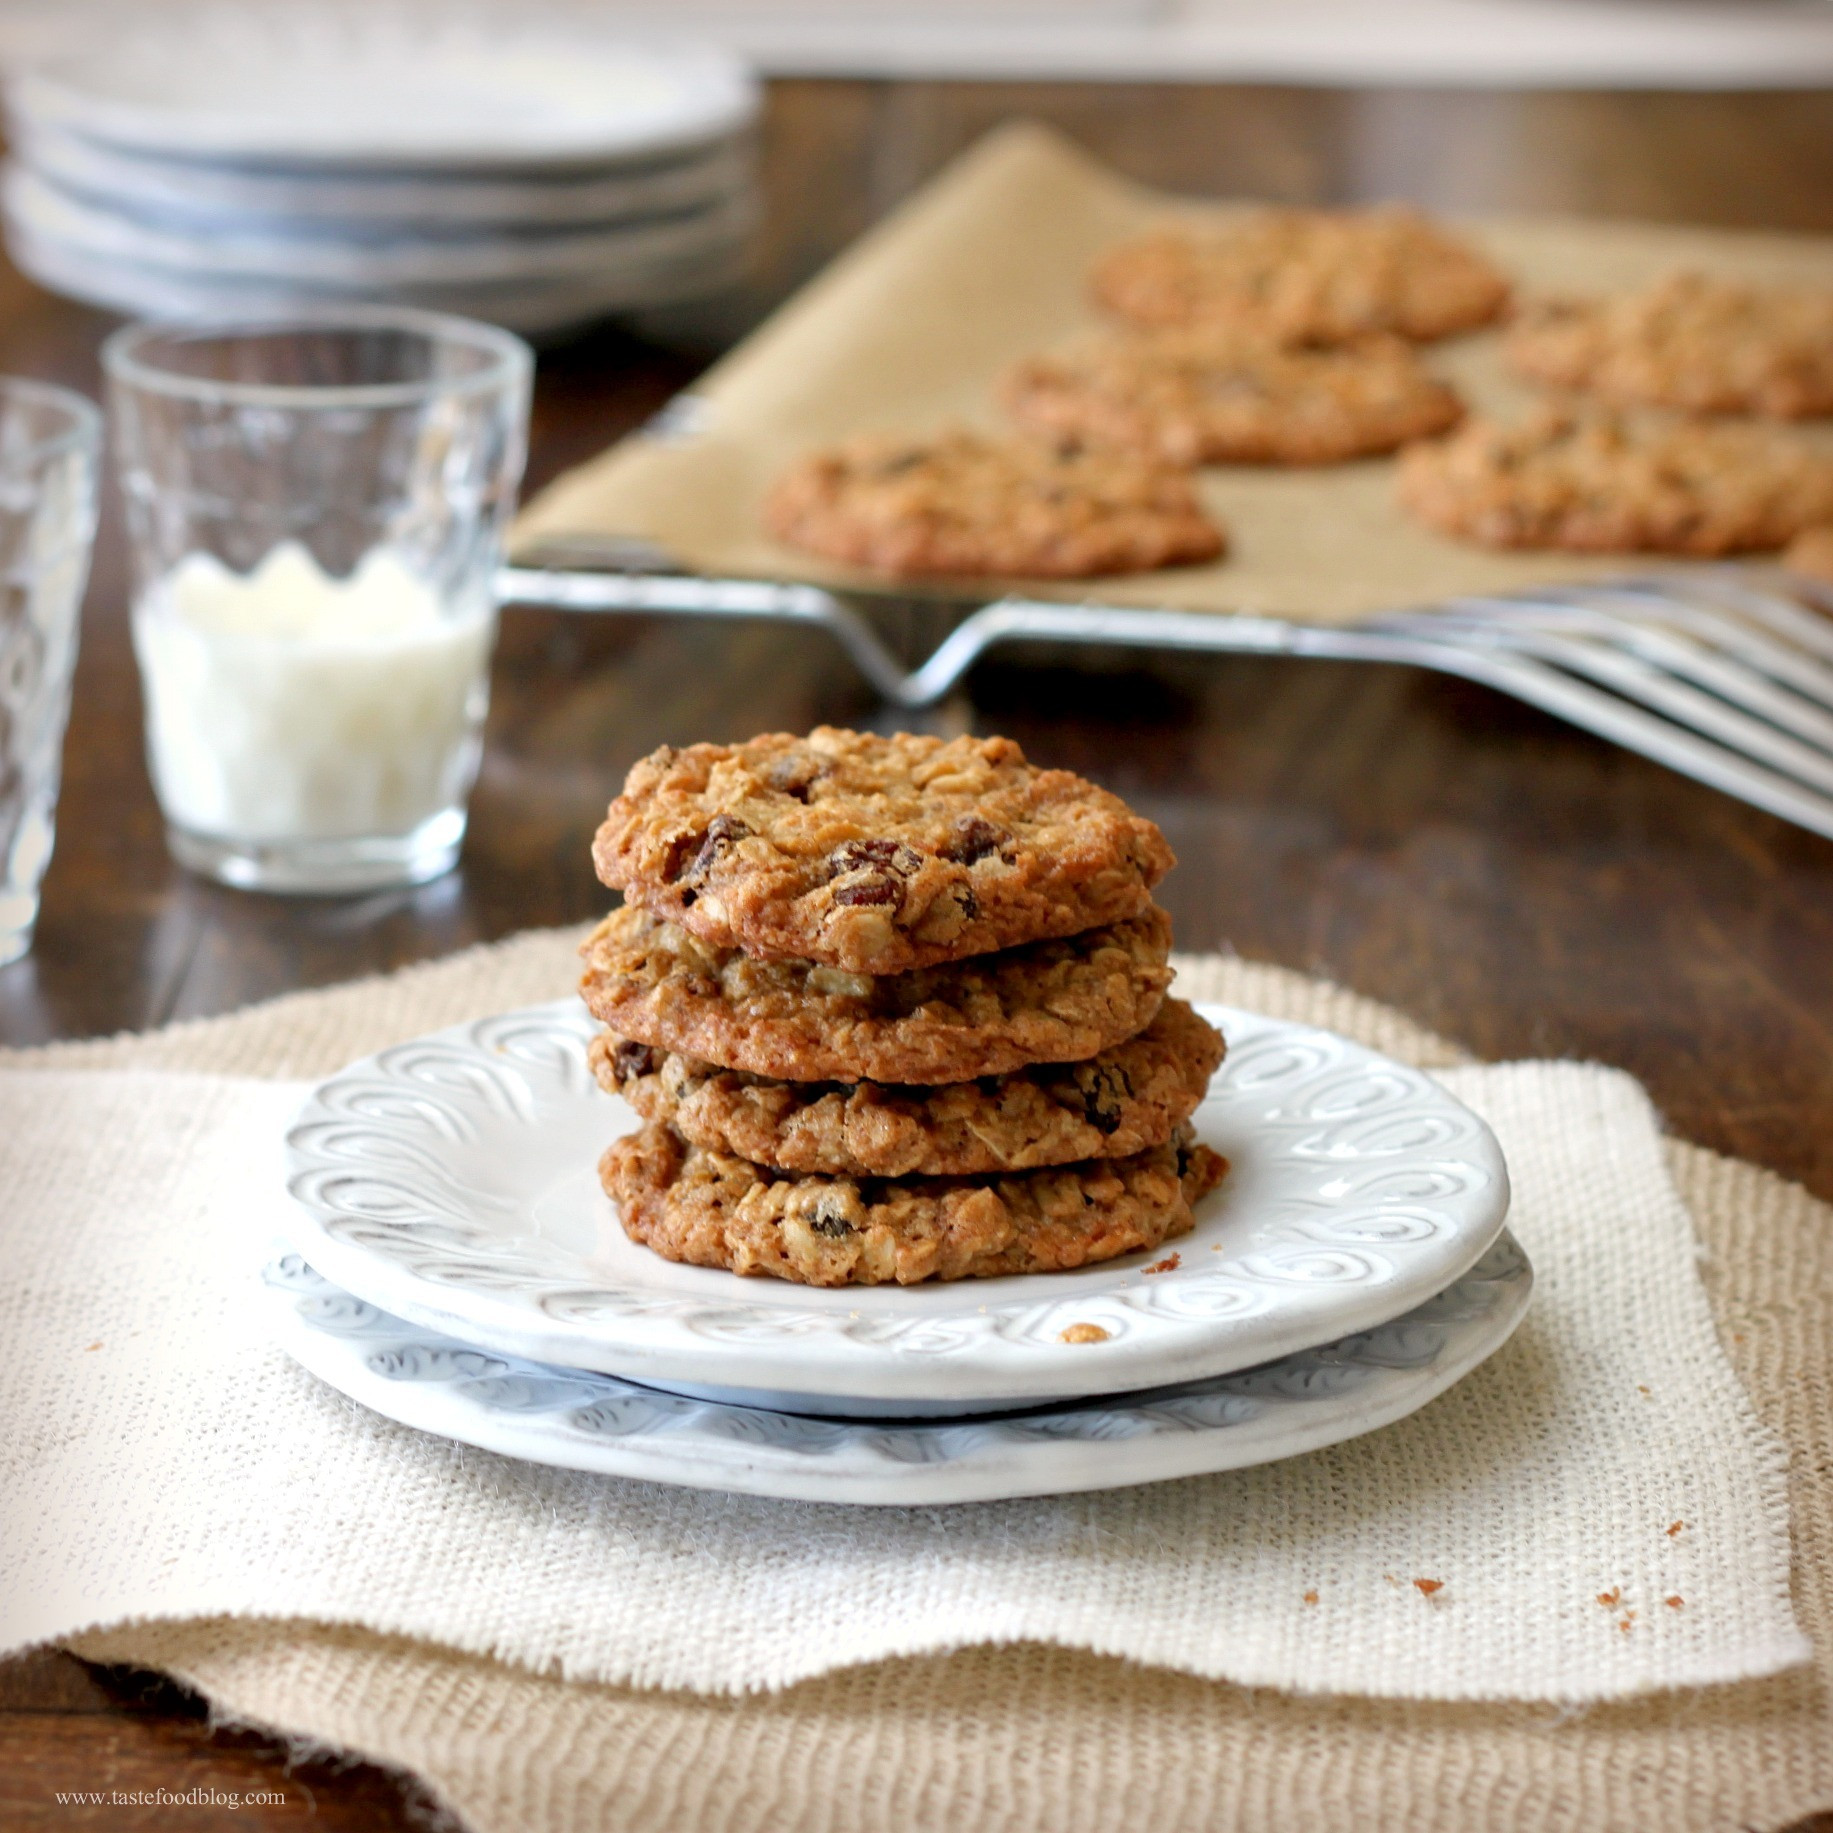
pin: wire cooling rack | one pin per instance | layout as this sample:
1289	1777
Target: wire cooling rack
1724	674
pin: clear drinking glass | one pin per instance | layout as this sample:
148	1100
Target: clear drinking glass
316	507
50	450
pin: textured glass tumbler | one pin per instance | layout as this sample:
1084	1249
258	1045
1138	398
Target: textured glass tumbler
316	507
50	449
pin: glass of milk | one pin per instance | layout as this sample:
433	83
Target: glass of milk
316	507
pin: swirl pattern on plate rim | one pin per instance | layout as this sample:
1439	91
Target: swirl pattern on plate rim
1379	1162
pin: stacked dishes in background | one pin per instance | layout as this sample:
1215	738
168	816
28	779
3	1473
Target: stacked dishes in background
534	178
893	1010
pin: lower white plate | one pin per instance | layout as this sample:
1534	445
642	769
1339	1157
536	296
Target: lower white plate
330	257
451	1181
537	308
582	1421
228	196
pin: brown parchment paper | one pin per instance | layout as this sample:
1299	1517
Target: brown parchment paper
910	328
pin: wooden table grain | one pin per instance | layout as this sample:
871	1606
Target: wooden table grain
1517	884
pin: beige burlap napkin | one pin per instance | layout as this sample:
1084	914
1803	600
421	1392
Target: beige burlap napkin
236	1485
913	325
1062	1739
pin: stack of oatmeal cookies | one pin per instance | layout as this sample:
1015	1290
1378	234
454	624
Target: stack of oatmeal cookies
891	1009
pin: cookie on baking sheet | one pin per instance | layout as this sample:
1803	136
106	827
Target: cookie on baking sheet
1305	276
1048	1002
966	504
874	854
1599	484
1229	397
1133	1095
1709	346
714	1210
1811	553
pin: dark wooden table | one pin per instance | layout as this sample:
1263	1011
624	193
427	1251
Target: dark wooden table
1519	885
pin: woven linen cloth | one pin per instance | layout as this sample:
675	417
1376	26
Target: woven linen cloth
1063	1737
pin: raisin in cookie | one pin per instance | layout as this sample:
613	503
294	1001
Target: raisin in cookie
1709	346
1048	1002
713	1210
1228	397
967	505
1599	484
1305	276
1133	1095
874	854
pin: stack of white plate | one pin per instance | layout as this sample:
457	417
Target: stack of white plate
530	177
450	1261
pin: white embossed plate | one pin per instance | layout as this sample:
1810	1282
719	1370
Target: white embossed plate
452	1182
595	1422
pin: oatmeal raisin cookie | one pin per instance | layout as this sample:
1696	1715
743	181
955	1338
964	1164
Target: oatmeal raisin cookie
1305	276
964	504
1600	484
711	1209
874	854
1047	1002
1708	346
1133	1095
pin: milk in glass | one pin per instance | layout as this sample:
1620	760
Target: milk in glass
285	704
